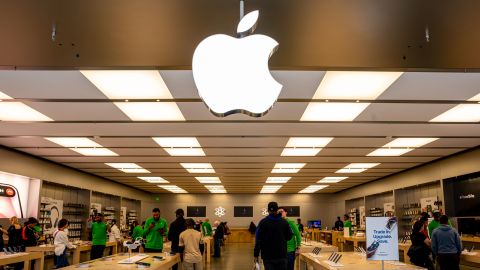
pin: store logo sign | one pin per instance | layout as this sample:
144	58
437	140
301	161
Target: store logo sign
467	197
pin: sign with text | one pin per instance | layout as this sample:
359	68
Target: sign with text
382	238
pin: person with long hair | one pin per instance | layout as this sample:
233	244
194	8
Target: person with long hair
420	250
14	233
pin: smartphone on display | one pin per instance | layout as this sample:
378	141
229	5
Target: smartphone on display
10	201
143	263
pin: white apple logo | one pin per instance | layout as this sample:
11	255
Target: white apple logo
232	75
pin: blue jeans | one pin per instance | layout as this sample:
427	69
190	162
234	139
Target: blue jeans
216	246
62	260
291	260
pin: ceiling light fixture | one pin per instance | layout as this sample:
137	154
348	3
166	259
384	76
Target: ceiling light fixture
312	188
287	167
216	188
277	180
151	111
357	167
100	152
17	111
208	180
401	146
180	146
333	111
460	113
128	167
154	179
73	141
389	152
305	146
332	179
270	189
198	167
173	188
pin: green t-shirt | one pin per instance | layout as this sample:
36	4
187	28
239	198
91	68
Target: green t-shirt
137	232
348	224
206	229
435	224
153	237
296	240
99	234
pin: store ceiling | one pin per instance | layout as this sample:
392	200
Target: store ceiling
243	150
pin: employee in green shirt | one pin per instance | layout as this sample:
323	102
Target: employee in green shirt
435	223
347	223
99	237
293	245
137	230
206	228
154	230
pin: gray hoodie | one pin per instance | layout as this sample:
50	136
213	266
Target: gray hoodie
445	240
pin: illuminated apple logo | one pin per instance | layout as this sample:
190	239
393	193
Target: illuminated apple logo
232	75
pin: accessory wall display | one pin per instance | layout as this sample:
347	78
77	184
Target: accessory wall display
389	209
429	205
51	212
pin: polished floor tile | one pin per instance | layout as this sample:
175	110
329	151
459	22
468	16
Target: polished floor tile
235	256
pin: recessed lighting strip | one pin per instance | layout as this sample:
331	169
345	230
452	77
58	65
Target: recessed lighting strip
270	188
357	167
180	146
312	188
18	111
154	180
401	146
287	167
128	167
173	188
82	145
216	188
198	167
305	146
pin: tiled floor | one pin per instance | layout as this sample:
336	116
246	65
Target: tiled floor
236	256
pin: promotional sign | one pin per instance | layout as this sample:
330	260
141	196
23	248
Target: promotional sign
123	217
382	238
428	204
95	208
52	212
361	209
389	209
19	196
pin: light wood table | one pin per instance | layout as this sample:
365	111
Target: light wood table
101	264
309	246
25	258
355	239
350	260
239	235
470	259
403	247
326	235
207	242
316	234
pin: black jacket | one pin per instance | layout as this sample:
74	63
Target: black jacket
176	228
219	232
29	238
271	238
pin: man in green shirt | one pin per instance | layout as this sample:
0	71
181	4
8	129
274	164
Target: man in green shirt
293	245
154	231
347	223
137	230
435	223
99	237
206	228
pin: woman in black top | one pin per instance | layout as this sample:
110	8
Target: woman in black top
420	250
14	233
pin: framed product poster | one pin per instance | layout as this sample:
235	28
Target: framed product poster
243	211
382	238
51	213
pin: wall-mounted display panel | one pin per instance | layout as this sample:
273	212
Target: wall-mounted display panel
196	211
243	211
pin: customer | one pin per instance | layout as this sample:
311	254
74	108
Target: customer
2	231
99	237
156	228
206	228
218	237
176	228
420	250
61	243
435	223
294	244
252	228
271	238
300	226
115	235
338	225
14	233
347	224
29	235
446	245
191	240
424	218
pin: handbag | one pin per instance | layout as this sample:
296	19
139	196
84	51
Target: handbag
256	266
414	252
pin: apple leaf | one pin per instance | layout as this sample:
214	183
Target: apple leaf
248	23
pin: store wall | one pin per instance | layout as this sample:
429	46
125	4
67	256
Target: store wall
18	163
312	206
467	162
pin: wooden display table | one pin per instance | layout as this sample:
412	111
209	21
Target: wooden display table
101	264
354	239
316	234
25	258
309	246
470	239
207	253
75	252
403	248
240	235
470	259
350	260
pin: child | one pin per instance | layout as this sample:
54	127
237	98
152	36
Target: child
61	243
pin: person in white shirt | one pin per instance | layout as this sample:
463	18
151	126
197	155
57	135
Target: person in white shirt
61	243
115	235
191	240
